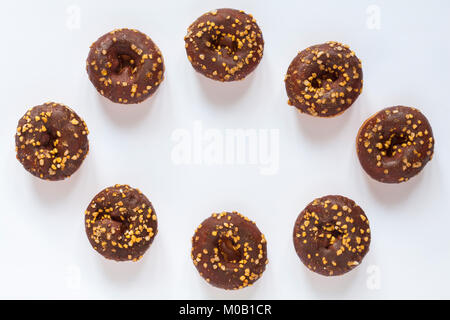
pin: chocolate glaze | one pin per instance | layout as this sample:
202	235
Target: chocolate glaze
395	144
229	251
121	223
324	80
125	66
224	44
331	235
51	141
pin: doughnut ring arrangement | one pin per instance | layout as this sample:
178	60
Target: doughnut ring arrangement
51	141
121	223
324	80
125	66
224	44
332	235
395	144
229	251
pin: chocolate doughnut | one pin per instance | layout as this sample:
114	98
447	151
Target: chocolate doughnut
229	251
121	223
324	80
332	235
125	66
51	141
395	144
224	44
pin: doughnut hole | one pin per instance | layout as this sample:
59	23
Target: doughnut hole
112	222
133	200
123	59
48	142
395	142
117	221
324	77
114	228
336	235
224	44
228	249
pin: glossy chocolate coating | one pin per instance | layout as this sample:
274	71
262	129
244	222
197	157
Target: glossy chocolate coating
125	66
229	251
121	223
395	144
332	235
51	141
324	80
224	44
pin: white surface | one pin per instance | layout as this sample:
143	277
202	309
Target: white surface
45	252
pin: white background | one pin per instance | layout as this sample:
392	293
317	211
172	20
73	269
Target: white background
44	250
